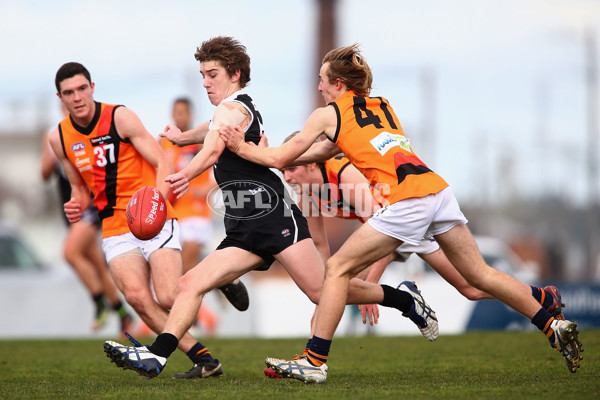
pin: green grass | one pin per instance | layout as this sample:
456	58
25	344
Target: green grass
487	365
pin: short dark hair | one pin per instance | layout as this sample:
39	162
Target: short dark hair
230	53
184	100
69	70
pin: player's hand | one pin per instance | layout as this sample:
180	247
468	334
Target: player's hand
264	142
172	197
372	310
233	137
171	133
73	210
179	183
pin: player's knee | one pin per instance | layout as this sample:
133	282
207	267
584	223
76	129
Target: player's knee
138	300
314	295
472	293
69	254
185	286
483	279
474	281
336	269
166	300
68	257
165	296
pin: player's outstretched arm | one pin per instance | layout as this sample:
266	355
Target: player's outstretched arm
317	152
322	120
193	136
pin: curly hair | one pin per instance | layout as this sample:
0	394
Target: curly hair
230	53
349	66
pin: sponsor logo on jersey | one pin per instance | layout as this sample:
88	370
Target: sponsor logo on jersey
79	162
385	141
97	141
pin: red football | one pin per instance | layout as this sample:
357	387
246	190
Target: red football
146	213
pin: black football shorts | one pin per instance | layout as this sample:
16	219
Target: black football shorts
268	234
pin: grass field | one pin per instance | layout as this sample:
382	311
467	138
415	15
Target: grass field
488	365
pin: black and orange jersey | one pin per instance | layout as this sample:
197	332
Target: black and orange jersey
111	167
370	135
329	199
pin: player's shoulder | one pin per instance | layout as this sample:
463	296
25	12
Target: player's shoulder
234	107
231	113
53	134
231	105
324	115
121	112
127	122
323	120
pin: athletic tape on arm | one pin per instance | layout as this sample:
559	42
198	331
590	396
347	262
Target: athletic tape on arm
228	114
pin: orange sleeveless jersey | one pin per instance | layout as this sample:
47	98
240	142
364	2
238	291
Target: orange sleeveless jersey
369	134
110	166
188	205
330	200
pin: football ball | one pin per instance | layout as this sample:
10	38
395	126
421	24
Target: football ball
146	213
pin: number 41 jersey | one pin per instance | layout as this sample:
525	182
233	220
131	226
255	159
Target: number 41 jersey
371	137
111	167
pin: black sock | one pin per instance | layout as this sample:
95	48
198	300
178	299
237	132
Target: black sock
397	299
542	319
164	345
120	309
319	351
542	297
198	353
98	300
307	347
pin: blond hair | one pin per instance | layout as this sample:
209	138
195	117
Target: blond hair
349	66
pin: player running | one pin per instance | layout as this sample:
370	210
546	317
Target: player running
418	203
335	188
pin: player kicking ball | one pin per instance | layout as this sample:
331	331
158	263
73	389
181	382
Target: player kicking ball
254	238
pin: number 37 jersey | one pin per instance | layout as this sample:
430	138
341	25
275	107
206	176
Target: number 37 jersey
110	166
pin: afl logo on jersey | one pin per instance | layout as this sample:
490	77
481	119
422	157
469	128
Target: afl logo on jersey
78	146
243	200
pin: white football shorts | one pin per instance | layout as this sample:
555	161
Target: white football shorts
425	246
127	244
412	220
195	230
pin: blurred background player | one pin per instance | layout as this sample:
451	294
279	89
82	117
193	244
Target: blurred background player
194	214
81	248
